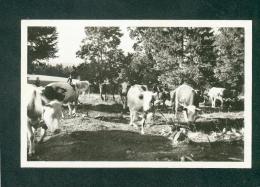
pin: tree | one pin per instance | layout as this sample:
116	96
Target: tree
230	62
176	55
42	45
100	49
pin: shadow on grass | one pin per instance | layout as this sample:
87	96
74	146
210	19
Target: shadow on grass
115	119
119	145
114	108
112	145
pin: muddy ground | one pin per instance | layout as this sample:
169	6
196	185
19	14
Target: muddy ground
100	132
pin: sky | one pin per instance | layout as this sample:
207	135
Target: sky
69	41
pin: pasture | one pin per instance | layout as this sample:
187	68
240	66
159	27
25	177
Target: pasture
44	79
99	132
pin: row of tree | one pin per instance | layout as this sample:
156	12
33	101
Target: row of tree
202	57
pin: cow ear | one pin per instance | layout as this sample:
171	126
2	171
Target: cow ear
141	96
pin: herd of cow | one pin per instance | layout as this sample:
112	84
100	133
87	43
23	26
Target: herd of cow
44	104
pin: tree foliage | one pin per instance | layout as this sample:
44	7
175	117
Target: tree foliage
230	62
201	57
177	55
57	70
100	50
42	45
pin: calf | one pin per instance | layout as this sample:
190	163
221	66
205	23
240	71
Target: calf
139	99
63	92
187	98
40	114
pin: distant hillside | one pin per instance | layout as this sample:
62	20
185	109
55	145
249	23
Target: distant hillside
44	79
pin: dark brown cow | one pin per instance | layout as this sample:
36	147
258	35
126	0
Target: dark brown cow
107	87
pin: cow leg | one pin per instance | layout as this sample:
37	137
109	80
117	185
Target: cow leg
143	123
106	97
185	116
132	118
43	134
176	111
30	136
70	110
213	102
75	107
123	103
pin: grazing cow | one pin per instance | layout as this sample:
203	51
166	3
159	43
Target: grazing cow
186	97
64	92
107	87
216	94
123	89
139	99
40	114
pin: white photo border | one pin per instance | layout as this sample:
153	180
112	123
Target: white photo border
247	163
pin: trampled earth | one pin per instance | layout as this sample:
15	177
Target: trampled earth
99	132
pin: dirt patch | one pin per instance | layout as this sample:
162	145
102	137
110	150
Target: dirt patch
100	132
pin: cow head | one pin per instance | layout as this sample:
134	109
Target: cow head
148	100
191	113
52	114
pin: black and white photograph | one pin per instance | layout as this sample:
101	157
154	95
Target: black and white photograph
136	93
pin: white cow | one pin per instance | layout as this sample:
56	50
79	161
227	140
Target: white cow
83	87
139	99
216	94
40	114
188	98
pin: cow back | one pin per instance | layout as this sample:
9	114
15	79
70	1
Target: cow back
185	94
61	91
